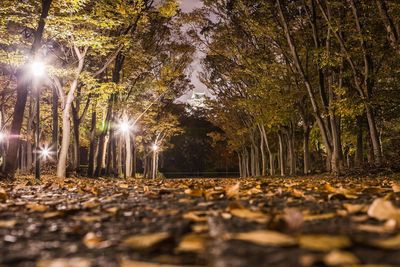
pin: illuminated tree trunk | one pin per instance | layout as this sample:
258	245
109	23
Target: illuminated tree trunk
128	155
22	94
66	123
54	133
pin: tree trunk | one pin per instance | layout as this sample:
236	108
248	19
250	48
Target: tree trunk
66	130
359	158
92	146
22	94
281	156
306	150
54	133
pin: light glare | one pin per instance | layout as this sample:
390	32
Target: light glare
38	68
154	147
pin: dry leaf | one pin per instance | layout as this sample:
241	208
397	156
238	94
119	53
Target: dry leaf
239	211
7	223
349	194
387	227
396	187
200	228
232	191
354	208
382	210
87	218
387	243
112	210
91	240
123	186
192	243
91	203
52	214
194	192
324	242
145	241
266	238
3	195
196	216
323	216
71	262
132	263
340	258
37	207
297	193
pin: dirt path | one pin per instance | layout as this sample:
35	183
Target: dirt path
312	221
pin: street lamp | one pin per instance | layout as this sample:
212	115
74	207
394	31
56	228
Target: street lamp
38	70
125	127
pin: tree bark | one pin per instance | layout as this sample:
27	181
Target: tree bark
22	94
66	129
92	146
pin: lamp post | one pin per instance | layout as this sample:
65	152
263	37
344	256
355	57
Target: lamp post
37	69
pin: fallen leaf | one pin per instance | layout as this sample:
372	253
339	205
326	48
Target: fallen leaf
340	258
192	243
37	207
91	240
87	218
323	216
3	195
52	214
239	211
132	263
112	210
194	192
7	223
145	241
387	243
382	210
355	208
323	242
200	228
71	262
123	186
266	238
232	191
91	203
387	227
349	194
396	187
297	193
196	216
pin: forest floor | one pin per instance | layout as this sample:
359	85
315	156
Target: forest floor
305	221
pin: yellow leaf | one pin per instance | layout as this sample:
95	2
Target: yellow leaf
324	242
196	216
7	223
266	238
232	191
387	243
37	207
192	243
340	258
145	241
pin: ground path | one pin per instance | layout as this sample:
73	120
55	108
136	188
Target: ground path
313	221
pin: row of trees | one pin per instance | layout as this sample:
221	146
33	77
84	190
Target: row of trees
302	86
107	64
